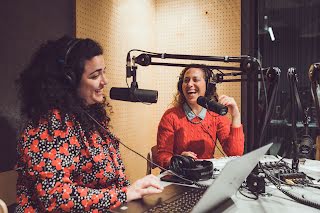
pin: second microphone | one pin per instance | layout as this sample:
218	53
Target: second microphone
212	105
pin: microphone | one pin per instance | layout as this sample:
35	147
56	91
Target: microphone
305	147
134	95
212	105
314	72
128	66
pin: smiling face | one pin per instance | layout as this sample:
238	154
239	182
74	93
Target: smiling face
93	81
194	85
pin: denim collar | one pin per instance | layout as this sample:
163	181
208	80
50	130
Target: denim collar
190	115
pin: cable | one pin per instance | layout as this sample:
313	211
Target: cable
162	168
269	110
313	186
294	197
215	141
264	86
207	131
256	196
261	166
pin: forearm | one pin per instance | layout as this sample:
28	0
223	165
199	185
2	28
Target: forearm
236	120
70	197
234	144
236	117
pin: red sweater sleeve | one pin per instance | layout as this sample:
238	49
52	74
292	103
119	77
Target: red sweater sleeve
231	139
165	140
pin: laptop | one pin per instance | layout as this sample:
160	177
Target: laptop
220	191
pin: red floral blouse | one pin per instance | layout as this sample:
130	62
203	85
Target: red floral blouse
66	171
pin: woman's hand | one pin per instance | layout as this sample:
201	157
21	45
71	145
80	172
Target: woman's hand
147	185
233	109
190	154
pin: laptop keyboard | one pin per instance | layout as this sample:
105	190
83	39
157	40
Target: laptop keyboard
183	202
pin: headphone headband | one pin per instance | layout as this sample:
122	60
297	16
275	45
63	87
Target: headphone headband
209	75
71	44
67	68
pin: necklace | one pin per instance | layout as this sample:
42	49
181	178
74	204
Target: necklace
198	122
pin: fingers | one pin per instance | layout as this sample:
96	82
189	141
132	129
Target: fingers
149	181
147	185
190	154
227	101
150	184
149	190
231	104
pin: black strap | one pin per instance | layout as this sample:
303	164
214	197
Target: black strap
273	90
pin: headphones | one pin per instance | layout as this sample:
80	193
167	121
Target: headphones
190	168
209	76
68	73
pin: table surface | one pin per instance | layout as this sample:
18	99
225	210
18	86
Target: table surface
273	200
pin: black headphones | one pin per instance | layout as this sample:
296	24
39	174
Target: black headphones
208	78
69	75
190	168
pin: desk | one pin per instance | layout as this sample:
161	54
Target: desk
274	200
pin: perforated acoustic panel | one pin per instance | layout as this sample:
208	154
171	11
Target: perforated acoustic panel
197	28
207	27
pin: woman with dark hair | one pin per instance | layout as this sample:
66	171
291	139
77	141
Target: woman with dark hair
188	129
68	160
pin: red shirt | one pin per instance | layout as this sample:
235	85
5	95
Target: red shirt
177	134
66	171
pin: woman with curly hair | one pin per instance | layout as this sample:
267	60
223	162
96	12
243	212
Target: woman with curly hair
68	160
190	130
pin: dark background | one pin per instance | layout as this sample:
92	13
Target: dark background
24	26
296	27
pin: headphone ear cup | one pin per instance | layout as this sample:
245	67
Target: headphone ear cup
69	76
188	162
209	89
209	83
179	163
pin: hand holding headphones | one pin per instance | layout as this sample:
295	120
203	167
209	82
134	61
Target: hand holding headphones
190	168
189	154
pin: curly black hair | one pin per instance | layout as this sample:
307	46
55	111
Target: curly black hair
45	85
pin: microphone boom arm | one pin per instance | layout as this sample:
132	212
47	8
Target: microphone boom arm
246	63
248	66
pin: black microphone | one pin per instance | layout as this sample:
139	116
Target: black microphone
305	147
128	66
212	105
314	72
134	95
